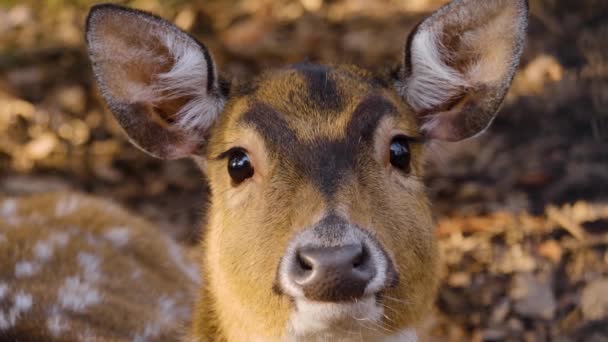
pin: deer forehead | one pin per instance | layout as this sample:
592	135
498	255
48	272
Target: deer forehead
318	101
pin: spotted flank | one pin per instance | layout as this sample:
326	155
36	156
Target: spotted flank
72	278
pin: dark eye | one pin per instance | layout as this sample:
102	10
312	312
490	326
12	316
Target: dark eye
400	153
239	166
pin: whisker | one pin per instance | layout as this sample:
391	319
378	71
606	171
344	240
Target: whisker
378	325
374	324
388	318
402	301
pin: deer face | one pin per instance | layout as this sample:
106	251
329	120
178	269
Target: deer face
331	218
319	225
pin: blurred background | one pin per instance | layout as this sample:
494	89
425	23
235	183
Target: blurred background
522	211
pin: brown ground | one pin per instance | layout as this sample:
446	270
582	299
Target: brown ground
522	211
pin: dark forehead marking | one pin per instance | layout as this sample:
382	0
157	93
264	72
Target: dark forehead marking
367	116
270	124
327	162
324	161
380	82
321	88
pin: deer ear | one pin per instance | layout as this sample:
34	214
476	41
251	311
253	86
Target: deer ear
159	82
459	64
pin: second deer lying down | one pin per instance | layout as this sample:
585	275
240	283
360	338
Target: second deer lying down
319	226
75	268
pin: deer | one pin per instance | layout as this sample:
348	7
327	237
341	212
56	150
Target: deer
319	227
75	268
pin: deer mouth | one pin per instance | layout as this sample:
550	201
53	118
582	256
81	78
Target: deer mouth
358	320
311	318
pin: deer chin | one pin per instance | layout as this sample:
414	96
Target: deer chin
345	321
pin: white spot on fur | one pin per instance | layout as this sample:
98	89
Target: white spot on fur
167	314
4	322
77	294
432	82
136	274
86	335
66	205
60	239
118	236
8	208
90	266
136	271
8	212
176	255
21	304
23	301
43	250
56	323
3	290
26	269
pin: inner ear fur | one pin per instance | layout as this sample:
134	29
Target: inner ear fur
459	64
159	82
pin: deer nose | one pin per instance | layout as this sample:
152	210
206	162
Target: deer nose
332	274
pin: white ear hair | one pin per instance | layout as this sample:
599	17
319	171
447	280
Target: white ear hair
432	82
189	70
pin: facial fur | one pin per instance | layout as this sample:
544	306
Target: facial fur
317	133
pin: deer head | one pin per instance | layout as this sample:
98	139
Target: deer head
319	225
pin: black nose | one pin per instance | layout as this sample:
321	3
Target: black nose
332	274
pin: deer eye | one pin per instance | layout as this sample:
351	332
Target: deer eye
400	153
239	166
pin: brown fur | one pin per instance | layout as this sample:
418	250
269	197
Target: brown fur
126	267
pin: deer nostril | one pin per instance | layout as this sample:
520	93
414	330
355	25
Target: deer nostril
360	259
304	263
